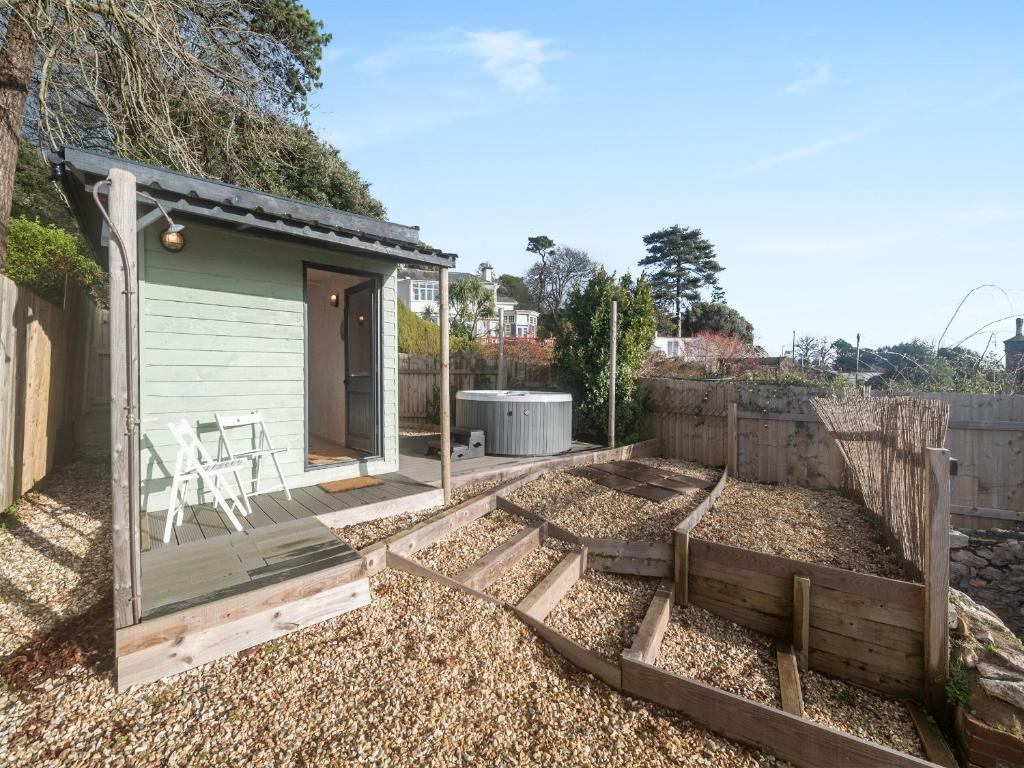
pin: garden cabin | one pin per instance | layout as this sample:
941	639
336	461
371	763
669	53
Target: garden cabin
239	302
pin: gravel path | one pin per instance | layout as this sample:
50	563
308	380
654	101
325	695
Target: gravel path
54	553
588	509
517	583
602	611
361	535
713	650
458	550
859	712
813	526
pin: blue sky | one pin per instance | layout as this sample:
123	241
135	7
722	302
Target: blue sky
857	165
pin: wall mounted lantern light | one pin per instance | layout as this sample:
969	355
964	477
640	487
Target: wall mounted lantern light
334	299
172	239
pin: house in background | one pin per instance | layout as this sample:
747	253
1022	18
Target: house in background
419	288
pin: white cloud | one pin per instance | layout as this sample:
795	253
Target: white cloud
335	52
820	75
805	152
512	58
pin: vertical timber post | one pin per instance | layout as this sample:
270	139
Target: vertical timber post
801	619
612	366
446	416
681	546
502	375
732	440
936	581
124	367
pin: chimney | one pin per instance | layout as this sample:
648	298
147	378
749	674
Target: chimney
487	272
1014	349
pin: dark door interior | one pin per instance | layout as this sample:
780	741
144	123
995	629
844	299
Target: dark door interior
361	366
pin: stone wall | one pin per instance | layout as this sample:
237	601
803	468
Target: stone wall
989	566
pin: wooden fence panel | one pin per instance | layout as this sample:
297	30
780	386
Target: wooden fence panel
781	439
419	379
42	372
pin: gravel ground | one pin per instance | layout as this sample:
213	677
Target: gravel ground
602	611
361	535
713	650
589	509
468	544
517	583
859	712
347	691
813	526
417	429
54	553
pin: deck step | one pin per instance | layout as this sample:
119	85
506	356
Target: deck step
503	558
552	588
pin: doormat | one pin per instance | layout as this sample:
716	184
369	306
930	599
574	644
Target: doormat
337	486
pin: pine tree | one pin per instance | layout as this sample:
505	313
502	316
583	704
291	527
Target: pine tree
684	262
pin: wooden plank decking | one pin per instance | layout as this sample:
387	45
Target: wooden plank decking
200	572
206	522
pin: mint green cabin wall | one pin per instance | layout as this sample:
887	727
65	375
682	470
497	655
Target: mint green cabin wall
221	329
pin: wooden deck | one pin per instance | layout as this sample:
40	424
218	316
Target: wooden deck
204	521
189	575
416	464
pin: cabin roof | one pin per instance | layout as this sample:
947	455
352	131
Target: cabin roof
193	197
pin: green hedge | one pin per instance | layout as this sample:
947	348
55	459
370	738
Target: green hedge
43	258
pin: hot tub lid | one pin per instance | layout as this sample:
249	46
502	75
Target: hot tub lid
513	395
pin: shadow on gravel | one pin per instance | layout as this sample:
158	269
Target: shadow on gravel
86	639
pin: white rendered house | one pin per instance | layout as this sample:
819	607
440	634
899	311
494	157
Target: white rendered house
419	290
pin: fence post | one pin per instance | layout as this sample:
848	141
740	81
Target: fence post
681	547
732	440
801	618
612	373
936	580
446	419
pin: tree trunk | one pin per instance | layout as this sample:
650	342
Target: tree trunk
17	58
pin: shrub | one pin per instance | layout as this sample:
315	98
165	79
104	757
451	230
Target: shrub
43	258
582	353
416	336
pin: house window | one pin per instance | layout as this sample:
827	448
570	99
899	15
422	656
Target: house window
424	290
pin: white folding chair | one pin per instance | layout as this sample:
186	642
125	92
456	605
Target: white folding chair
258	445
194	463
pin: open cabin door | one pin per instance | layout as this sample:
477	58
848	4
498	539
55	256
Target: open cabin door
361	367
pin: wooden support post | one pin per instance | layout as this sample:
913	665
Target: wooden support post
124	367
612	370
732	441
789	680
682	570
446	417
801	619
936	582
502	373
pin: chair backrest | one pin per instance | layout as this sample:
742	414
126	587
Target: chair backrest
189	442
259	436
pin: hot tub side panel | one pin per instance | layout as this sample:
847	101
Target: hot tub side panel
517	427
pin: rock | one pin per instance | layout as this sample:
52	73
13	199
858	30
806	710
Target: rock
1012	692
963	556
958	540
1003	556
984	552
995	672
977	583
990	573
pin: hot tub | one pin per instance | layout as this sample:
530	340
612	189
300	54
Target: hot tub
517	422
